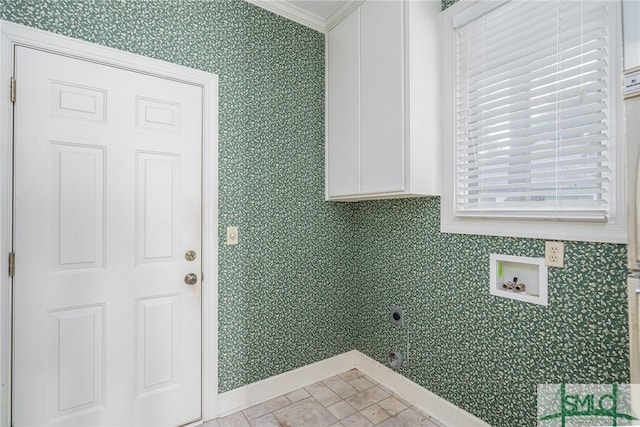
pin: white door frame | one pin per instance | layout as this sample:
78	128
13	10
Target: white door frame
13	34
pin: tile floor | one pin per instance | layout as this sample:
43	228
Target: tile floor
350	399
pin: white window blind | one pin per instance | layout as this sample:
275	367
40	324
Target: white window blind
532	111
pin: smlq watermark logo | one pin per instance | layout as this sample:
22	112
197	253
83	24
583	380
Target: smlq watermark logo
569	405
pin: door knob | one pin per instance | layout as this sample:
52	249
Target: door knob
190	279
190	255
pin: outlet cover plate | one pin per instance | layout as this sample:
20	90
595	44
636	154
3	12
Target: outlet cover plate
232	235
554	254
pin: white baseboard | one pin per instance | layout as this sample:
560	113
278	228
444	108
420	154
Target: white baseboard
261	391
420	397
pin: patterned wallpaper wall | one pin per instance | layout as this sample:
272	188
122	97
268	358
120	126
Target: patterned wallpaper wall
306	267
483	353
290	277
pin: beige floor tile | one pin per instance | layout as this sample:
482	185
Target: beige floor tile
350	399
266	407
375	414
234	420
298	395
415	418
341	410
393	405
351	375
392	422
419	411
370	379
385	389
268	420
367	398
403	400
361	383
356	420
323	394
340	387
305	413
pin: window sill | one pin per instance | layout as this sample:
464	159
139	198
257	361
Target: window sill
536	229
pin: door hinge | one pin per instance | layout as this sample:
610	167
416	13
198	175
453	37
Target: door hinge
12	263
13	89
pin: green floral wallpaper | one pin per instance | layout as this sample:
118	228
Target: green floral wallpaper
484	353
308	268
291	276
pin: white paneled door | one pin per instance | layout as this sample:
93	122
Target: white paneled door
107	206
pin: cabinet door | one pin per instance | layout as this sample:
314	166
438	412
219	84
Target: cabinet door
343	142
382	96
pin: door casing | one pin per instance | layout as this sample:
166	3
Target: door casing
13	34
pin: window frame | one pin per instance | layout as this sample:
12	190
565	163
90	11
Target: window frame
611	231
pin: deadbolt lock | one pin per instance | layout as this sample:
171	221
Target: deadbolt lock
190	279
190	255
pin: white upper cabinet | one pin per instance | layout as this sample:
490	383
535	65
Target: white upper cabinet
383	123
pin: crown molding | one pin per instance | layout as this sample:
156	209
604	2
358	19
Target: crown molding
346	7
306	18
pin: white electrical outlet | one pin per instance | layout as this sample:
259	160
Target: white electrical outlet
554	254
232	235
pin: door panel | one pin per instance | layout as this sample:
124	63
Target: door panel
107	200
155	344
70	100
77	354
78	205
156	202
158	114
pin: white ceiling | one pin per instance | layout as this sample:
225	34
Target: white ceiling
321	15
